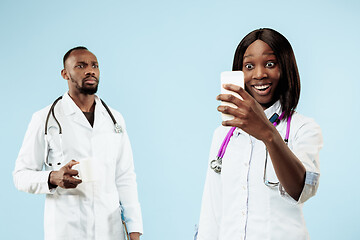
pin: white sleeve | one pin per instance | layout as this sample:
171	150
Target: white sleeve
127	187
306	146
28	175
210	215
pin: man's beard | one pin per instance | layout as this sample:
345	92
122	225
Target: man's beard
86	90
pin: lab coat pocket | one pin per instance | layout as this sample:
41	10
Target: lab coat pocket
107	147
67	216
115	224
105	151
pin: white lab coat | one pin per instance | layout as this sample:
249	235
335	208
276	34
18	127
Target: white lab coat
237	205
92	209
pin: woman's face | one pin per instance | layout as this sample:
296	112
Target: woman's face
261	73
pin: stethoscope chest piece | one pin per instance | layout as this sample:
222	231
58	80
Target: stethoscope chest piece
216	165
118	128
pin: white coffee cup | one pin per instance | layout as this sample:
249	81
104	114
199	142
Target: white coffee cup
86	169
231	77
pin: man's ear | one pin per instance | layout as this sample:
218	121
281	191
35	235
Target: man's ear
64	74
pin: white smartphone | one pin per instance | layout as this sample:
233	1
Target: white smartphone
233	77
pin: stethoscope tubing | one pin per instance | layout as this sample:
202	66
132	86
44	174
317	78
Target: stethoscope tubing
225	143
51	111
216	164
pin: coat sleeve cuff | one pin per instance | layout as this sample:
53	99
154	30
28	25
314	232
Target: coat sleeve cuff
45	183
309	190
133	218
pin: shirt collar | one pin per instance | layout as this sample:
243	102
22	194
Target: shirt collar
275	108
70	106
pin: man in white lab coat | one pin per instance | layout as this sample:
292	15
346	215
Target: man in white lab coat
83	134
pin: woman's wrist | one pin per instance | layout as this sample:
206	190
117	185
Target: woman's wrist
270	137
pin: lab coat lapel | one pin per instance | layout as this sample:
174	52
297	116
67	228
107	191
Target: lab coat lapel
74	112
80	118
100	113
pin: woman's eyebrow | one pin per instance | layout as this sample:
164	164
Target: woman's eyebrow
269	53
264	54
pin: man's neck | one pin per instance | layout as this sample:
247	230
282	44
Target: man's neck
85	102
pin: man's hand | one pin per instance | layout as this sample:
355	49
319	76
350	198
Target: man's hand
64	178
134	236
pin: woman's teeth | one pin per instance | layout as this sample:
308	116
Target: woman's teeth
262	87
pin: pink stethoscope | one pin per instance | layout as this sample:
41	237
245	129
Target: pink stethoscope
216	164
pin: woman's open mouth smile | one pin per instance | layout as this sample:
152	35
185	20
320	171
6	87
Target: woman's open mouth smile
263	89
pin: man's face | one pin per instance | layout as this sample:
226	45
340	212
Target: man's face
82	72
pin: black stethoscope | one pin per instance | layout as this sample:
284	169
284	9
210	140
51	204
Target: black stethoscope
117	129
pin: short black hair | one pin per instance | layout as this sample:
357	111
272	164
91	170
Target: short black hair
66	56
288	89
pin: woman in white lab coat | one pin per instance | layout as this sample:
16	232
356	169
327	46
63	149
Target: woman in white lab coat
264	180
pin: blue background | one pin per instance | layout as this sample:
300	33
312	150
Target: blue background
160	65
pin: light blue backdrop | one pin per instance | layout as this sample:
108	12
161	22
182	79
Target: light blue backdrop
160	65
